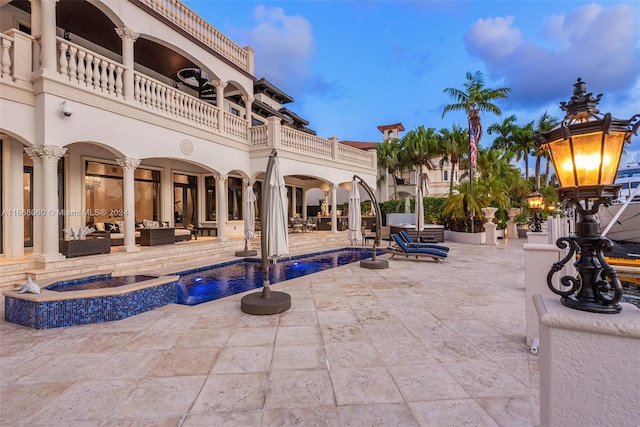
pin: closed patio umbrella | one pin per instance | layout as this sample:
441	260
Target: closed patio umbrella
249	222
250	214
419	211
355	216
277	222
274	242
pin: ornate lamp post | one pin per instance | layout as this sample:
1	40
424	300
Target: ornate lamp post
586	149
535	201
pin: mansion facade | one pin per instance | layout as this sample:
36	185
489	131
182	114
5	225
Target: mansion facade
139	110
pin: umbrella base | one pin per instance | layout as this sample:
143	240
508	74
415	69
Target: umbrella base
255	303
247	253
377	264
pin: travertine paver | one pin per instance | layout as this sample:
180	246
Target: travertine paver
420	343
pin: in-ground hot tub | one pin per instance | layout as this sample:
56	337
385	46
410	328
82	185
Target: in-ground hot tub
90	303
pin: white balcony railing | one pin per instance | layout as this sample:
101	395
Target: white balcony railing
352	155
164	99
189	21
273	134
86	68
302	142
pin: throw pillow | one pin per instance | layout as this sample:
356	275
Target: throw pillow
111	227
120	225
165	224
99	226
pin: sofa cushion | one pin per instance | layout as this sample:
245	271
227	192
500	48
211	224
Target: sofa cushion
150	224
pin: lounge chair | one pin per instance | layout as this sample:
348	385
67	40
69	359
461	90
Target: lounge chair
401	248
413	244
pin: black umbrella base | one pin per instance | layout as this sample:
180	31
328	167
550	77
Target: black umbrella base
255	303
246	253
374	264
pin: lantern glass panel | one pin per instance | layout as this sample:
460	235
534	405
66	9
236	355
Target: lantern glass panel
614	144
587	157
561	155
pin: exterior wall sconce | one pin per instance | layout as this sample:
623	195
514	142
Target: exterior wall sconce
66	108
535	201
585	150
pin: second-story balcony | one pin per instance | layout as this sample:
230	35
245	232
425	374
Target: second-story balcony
106	63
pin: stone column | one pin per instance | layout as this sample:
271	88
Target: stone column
48	44
48	234
12	187
36	192
512	229
221	208
304	204
36	25
128	39
248	103
334	208
294	200
220	85
490	226
129	202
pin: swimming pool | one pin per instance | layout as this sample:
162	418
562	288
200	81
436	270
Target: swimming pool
218	281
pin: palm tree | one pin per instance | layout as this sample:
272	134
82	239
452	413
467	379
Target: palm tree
504	130
388	153
544	124
523	144
453	144
475	98
419	145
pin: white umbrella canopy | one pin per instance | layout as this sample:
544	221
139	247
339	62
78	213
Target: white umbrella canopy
355	216
250	214
277	219
419	210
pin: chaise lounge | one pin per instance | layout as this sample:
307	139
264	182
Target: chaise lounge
401	248
413	244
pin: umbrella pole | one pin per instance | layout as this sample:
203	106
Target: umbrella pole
373	263
266	302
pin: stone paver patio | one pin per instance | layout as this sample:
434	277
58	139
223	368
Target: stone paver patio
420	343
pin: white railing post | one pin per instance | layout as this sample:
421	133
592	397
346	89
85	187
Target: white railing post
334	147
274	131
21	55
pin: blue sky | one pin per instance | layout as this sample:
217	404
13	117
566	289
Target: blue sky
353	65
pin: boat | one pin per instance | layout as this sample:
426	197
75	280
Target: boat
621	220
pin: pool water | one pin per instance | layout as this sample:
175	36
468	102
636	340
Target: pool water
97	282
209	283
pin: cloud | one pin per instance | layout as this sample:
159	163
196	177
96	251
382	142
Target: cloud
599	44
284	51
493	39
